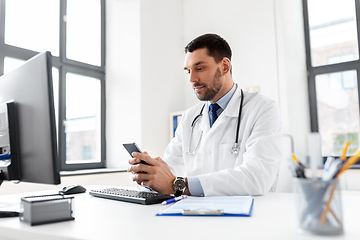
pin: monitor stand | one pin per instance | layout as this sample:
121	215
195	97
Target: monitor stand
4	214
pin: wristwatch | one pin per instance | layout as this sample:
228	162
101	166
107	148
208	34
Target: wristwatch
179	186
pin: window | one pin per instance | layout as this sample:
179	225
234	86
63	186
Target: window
332	47
83	117
28	20
73	31
341	138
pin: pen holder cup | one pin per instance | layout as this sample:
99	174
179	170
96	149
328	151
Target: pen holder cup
318	205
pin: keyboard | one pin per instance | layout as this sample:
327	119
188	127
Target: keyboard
133	196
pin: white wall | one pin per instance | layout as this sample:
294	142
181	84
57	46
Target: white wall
267	40
143	74
249	28
123	79
162	88
291	65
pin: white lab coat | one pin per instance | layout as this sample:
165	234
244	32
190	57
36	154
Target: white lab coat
254	170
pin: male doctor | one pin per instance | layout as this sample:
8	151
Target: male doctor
203	158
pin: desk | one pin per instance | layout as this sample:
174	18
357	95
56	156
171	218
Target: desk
102	219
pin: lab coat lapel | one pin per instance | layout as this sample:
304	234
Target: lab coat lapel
205	122
231	110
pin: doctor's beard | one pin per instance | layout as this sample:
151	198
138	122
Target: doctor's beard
209	92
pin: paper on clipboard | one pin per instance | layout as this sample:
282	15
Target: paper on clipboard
211	206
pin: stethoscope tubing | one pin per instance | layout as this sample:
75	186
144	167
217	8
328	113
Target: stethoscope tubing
237	127
197	117
239	117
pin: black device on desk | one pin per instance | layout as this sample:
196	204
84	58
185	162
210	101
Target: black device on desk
28	132
72	189
28	142
133	147
133	196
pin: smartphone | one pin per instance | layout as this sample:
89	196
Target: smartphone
133	147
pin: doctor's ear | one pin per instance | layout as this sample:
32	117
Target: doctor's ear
226	64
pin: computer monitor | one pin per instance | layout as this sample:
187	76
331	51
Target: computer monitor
28	92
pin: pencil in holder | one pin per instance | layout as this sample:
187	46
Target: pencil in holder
318	206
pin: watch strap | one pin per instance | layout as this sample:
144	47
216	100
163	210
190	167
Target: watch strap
178	193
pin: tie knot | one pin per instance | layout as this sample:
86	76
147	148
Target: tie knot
214	107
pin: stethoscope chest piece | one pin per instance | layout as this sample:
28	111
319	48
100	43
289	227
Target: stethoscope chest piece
235	149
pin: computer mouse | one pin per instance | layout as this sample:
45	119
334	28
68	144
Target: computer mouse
72	189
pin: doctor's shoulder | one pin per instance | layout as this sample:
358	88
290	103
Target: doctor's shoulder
265	108
258	99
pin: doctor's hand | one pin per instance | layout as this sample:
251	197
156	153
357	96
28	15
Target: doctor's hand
157	175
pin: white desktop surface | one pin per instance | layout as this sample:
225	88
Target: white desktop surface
273	217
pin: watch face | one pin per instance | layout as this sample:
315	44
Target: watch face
179	184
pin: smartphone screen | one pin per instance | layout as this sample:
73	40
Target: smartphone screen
133	147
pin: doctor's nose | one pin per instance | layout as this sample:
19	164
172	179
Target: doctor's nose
193	77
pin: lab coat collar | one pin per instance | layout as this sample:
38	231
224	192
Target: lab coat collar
232	110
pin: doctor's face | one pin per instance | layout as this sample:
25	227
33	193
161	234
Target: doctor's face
205	75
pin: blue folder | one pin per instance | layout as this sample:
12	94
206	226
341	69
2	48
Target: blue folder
230	206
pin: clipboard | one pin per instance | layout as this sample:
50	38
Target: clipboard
229	206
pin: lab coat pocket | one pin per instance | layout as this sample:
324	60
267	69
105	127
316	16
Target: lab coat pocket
226	158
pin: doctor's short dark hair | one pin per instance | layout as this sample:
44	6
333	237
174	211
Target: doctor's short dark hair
216	46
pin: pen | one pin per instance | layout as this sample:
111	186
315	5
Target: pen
173	200
295	159
300	172
333	170
298	168
327	165
347	164
344	150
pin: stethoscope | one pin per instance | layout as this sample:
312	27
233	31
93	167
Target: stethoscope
235	148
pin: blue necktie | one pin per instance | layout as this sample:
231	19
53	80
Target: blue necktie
213	115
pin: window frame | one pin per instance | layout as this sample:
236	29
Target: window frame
64	66
312	71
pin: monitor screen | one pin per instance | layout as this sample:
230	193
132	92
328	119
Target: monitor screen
9	143
30	87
